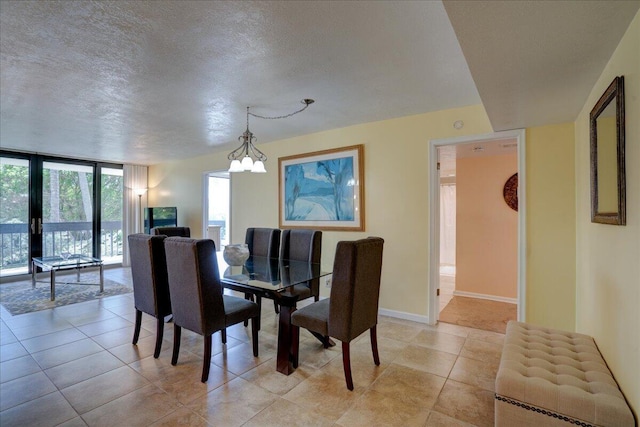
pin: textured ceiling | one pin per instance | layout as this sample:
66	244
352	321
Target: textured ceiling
144	82
150	81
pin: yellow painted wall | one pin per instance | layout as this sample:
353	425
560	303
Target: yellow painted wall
396	184
486	227
551	225
608	256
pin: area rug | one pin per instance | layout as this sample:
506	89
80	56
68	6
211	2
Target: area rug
20	298
479	313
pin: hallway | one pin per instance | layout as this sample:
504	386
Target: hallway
472	312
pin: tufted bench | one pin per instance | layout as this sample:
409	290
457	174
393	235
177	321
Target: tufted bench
555	378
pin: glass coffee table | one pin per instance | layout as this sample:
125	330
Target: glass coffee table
53	264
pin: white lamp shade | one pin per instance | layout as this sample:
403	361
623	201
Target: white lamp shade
236	166
247	163
258	167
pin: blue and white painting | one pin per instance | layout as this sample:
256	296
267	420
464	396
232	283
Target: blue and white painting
321	190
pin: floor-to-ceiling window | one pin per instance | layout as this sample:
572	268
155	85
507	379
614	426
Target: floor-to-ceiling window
111	236
51	206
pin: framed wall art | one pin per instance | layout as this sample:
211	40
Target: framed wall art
323	190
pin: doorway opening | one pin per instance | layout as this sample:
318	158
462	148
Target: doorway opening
476	241
216	206
447	236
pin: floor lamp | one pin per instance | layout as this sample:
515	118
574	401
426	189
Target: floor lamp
140	192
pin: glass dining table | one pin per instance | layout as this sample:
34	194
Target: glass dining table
270	278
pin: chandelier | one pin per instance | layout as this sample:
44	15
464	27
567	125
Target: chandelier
252	158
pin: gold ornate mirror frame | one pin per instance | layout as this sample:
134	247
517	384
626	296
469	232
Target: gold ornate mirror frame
608	188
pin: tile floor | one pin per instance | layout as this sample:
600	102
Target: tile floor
76	366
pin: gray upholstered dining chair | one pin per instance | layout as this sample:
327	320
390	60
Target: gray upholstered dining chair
303	245
171	231
150	283
197	299
353	305
263	242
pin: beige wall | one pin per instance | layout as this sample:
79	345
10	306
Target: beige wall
608	256
486	227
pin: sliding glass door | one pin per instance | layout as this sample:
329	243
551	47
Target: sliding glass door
14	215
111	199
67	209
52	206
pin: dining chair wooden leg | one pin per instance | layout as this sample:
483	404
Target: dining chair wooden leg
259	302
207	359
255	322
374	344
177	332
136	330
346	363
295	344
159	335
248	297
276	307
223	334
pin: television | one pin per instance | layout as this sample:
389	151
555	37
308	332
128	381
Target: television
160	217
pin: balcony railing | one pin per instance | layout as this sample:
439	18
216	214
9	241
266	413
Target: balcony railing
72	237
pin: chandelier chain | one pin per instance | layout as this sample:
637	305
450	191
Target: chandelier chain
247	150
306	103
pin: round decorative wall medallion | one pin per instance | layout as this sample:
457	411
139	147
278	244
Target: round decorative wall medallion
510	192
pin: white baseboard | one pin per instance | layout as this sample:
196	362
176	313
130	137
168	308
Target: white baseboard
405	316
484	296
